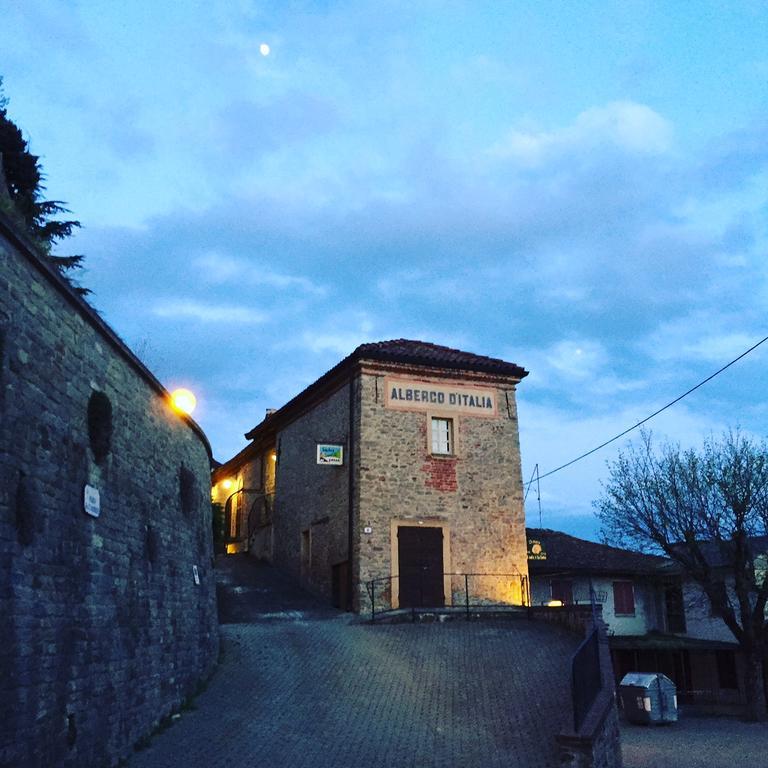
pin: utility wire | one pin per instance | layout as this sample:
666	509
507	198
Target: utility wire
647	418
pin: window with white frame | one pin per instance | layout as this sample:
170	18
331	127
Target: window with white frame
442	436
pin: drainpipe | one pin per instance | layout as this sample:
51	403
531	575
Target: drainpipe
350	492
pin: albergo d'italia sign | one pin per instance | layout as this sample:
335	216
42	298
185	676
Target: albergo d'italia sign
414	395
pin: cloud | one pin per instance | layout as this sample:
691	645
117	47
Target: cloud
218	269
207	313
577	370
246	129
700	338
553	435
628	126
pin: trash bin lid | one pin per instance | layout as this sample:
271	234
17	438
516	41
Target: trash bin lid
639	679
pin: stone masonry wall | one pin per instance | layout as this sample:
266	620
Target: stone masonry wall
312	497
104	630
476	495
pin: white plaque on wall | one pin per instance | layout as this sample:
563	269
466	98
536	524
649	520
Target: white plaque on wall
414	395
91	501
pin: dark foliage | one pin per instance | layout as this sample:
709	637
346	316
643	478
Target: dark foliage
24	178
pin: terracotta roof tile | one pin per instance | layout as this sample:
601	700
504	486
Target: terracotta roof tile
424	353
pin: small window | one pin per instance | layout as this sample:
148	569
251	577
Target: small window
675	607
719	599
442	436
562	589
623	598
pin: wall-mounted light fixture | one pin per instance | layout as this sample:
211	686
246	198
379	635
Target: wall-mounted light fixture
183	400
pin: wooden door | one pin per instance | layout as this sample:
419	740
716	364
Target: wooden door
420	558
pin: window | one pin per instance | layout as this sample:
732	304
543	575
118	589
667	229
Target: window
719	599
675	607
442	436
562	589
623	598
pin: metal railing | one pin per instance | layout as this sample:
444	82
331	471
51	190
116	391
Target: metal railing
454	592
586	678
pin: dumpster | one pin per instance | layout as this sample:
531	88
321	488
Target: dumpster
648	697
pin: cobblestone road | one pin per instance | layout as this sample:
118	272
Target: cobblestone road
696	742
311	688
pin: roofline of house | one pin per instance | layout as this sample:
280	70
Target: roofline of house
596	571
357	362
23	246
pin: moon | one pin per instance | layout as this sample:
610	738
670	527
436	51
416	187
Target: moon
264	49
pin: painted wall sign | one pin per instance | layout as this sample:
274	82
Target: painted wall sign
330	454
414	395
536	550
91	501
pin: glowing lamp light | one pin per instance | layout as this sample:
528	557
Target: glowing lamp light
226	484
555	603
264	49
183	400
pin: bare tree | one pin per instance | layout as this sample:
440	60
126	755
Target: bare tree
708	511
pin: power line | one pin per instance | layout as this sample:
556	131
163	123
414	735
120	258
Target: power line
647	418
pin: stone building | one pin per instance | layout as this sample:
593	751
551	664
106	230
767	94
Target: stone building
107	594
401	465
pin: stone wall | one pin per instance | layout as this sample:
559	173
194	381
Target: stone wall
104	628
475	496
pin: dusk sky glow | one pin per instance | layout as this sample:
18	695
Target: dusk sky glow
579	188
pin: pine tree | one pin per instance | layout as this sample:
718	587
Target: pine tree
24	201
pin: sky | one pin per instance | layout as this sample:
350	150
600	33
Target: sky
579	188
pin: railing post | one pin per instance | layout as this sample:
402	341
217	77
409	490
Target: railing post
373	601
466	594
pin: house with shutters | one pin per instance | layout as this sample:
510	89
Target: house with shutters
396	475
657	620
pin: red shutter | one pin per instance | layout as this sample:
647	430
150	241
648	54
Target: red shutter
623	598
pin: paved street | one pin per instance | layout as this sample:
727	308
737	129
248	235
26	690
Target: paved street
308	687
696	742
